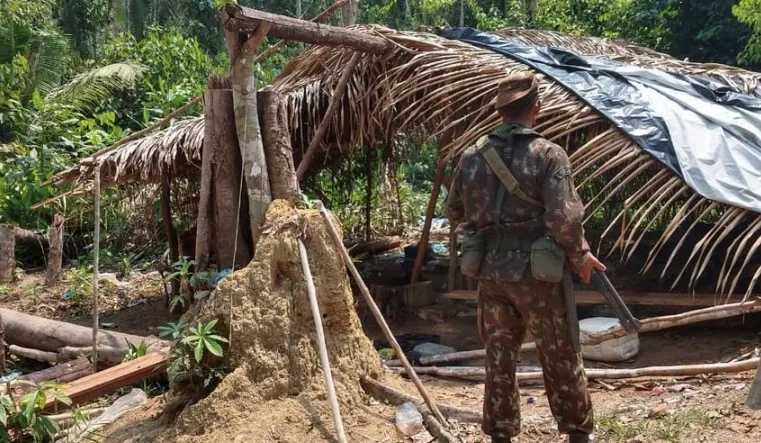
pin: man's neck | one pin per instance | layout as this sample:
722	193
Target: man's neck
520	122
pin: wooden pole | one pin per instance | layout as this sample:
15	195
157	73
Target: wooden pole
237	18
469	372
423	245
2	346
335	102
242	55
7	253
277	145
55	253
169	231
351	13
322	348
377	313
225	183
95	269
436	360
453	262
685	318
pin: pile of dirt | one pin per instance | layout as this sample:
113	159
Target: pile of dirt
276	391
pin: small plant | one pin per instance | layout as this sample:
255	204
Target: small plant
135	351
4	291
193	355
187	279
125	267
23	420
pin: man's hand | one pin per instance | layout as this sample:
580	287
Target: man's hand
591	263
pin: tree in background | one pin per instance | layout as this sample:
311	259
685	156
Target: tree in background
749	13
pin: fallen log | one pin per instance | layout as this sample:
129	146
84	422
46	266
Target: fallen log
241	19
438	430
471	372
376	246
436	360
395	397
51	335
55	373
108	355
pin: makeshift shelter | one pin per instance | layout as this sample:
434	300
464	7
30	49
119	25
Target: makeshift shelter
443	87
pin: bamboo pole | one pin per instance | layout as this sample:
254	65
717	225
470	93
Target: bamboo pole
685	318
96	260
423	245
470	372
335	101
377	313
324	360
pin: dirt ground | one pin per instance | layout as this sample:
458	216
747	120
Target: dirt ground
698	409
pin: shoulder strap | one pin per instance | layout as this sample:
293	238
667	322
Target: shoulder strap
505	176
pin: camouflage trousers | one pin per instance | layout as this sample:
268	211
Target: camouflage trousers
505	310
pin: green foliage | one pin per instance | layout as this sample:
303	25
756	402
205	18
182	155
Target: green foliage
188	279
196	355
136	351
22	420
749	13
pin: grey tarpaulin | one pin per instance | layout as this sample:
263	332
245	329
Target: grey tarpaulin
700	129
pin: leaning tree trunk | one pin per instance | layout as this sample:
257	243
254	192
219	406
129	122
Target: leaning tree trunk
7	253
351	13
231	247
55	253
242	56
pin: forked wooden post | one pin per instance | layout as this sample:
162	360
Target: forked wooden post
377	313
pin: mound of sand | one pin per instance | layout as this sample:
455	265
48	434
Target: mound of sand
276	391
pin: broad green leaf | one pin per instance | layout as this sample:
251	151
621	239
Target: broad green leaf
49	427
214	347
199	351
217	338
3	416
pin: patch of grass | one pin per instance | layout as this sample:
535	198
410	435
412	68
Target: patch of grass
614	428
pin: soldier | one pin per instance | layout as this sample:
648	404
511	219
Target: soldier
520	227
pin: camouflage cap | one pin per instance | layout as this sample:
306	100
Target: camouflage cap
516	88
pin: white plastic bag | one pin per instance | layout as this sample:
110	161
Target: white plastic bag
408	419
615	350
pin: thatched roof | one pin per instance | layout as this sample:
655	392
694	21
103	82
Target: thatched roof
437	86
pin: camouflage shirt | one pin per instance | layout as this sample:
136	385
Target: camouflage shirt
544	172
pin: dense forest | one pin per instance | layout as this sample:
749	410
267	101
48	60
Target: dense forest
77	75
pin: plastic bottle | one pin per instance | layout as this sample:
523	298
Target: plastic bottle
408	419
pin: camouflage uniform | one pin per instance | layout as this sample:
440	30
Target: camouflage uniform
510	300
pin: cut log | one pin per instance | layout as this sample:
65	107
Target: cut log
106	354
322	129
395	397
109	380
277	145
471	372
231	248
50	335
242	55
54	373
7	253
55	253
240	19
376	246
686	318
205	218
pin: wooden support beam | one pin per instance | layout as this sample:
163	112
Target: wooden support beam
169	231
240	19
423	245
335	102
55	253
242	55
278	151
111	379
454	266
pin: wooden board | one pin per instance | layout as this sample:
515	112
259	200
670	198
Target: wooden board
109	380
631	298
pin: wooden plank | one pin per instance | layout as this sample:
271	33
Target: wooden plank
586	298
109	380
